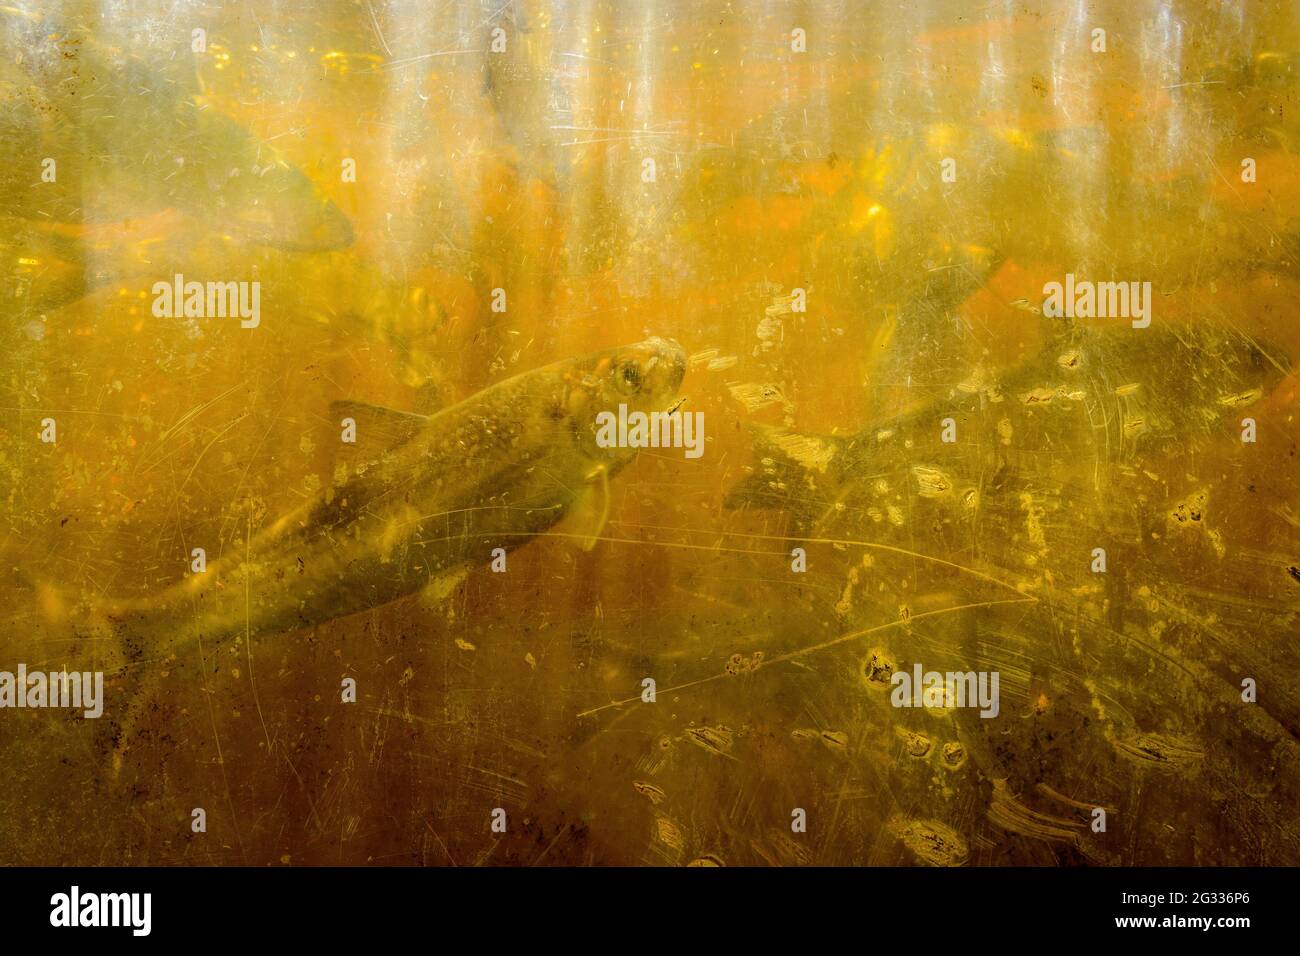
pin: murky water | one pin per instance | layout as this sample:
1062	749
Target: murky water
919	455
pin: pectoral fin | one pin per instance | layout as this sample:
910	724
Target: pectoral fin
587	516
441	586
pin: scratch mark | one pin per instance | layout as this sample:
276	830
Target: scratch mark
803	652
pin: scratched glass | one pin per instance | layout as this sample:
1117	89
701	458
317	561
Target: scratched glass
982	322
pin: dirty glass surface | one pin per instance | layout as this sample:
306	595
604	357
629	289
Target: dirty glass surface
974	327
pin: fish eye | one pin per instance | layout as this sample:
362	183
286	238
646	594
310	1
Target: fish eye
629	377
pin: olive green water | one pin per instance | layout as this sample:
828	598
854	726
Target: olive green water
850	230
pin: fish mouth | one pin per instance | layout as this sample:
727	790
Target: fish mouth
332	234
678	359
335	232
669	361
323	228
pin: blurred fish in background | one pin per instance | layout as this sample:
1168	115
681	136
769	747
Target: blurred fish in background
97	133
849	216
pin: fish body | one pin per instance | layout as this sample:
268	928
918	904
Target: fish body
40	269
129	138
1112	398
490	472
1086	478
529	93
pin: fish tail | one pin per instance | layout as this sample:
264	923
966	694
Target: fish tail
57	629
58	632
142	642
791	467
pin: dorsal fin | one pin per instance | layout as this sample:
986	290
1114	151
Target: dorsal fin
379	429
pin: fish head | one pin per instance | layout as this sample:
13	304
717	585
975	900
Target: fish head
643	377
255	194
280	207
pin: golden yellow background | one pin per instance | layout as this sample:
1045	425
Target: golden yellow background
775	170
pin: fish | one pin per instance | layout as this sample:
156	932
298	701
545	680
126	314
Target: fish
46	265
528	93
440	493
1125	440
40	269
1113	396
130	137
